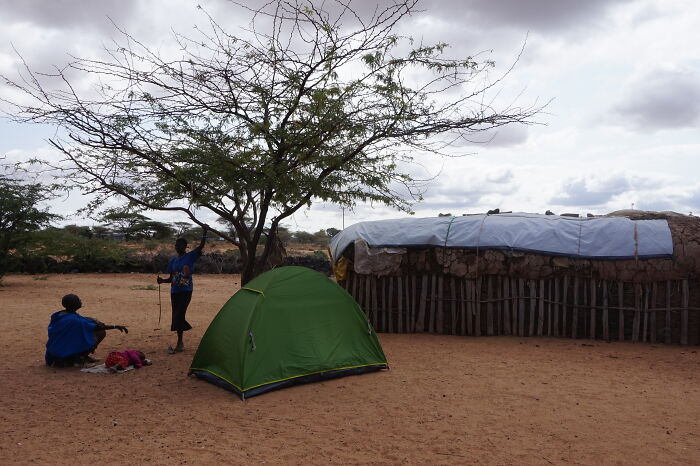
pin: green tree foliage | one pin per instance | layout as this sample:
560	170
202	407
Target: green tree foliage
305	105
100	231
323	237
193	234
79	230
283	234
304	237
151	229
83	253
123	221
181	228
20	214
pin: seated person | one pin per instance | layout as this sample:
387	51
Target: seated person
73	337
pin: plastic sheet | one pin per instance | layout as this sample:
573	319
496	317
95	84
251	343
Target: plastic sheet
585	238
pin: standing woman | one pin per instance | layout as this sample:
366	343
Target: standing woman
180	269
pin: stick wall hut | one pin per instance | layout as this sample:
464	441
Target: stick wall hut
630	275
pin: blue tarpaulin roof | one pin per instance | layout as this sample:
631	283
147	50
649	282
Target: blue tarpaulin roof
586	238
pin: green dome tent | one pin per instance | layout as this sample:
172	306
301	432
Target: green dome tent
287	326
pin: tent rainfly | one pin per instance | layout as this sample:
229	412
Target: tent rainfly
289	325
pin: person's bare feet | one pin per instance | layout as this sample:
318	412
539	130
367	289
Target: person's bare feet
85	361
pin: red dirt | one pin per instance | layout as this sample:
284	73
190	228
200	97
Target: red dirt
446	400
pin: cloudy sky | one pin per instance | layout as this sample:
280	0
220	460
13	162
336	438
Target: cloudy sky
623	78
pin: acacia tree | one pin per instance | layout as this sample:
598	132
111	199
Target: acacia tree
124	222
181	227
20	213
305	105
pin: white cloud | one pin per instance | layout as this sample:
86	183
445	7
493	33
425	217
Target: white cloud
591	192
504	136
664	98
611	65
64	14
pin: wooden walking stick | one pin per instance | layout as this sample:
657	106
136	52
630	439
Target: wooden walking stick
160	307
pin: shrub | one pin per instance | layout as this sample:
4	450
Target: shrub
59	251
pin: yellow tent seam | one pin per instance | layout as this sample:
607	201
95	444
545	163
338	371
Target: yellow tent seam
253	290
312	373
282	380
217	375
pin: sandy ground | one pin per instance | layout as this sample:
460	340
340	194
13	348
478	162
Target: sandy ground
446	400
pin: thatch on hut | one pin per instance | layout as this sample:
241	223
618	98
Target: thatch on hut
629	275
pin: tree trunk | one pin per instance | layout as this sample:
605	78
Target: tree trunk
248	259
272	256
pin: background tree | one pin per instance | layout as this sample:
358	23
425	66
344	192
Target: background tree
323	237
20	214
193	234
123	221
304	237
283	234
151	229
79	230
76	251
181	228
100	231
305	105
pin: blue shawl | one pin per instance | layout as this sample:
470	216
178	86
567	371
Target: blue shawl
69	334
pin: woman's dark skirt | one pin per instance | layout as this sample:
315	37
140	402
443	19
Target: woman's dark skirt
180	301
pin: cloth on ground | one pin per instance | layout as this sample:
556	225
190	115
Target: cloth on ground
102	369
122	359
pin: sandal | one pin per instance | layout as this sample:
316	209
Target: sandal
177	349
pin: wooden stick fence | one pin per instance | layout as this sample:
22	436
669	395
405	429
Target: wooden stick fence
667	311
